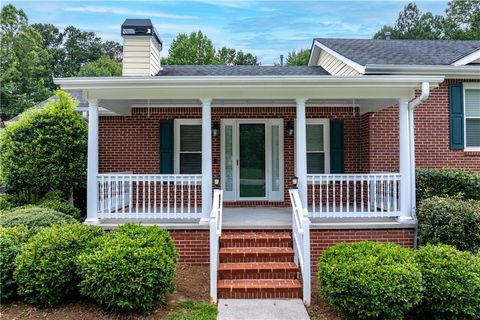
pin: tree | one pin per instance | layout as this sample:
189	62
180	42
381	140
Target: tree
23	64
460	22
46	149
113	50
299	58
103	67
196	49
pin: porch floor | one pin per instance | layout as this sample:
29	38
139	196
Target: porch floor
262	218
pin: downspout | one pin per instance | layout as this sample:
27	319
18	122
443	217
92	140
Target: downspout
411	107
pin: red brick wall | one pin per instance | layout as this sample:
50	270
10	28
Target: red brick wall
322	239
193	246
432	136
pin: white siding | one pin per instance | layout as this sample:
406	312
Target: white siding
141	56
334	66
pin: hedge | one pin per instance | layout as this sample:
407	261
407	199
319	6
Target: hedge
11	241
63	207
33	217
451	280
368	280
447	182
131	270
450	221
45	268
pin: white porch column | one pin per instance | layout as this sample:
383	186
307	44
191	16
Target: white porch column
206	160
92	163
405	184
301	150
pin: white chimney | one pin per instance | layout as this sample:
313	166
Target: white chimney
141	48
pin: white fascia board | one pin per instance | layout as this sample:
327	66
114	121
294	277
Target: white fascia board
83	83
314	54
472	72
467	59
337	55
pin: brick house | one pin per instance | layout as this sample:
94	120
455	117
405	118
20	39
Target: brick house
256	169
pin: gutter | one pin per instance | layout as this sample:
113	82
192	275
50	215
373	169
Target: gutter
459	71
425	93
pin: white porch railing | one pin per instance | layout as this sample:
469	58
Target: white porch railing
149	196
354	195
216	217
301	241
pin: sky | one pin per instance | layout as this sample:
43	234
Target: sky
264	28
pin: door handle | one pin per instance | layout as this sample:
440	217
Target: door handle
237	162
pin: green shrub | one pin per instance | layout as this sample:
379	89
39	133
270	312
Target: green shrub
45	267
33	217
368	280
447	182
5	203
131	270
450	221
63	207
451	283
54	195
11	240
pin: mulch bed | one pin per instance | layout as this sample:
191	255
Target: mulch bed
192	283
319	308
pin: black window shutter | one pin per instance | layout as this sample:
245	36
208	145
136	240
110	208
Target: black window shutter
455	98
337	153
166	146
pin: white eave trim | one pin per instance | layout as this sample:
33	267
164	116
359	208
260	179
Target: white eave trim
338	56
419	70
468	59
83	83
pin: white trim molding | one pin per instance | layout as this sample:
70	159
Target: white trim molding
468	86
351	63
176	140
467	59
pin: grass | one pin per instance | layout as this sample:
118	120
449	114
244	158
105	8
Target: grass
191	310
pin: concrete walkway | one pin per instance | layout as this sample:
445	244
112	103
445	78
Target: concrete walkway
261	309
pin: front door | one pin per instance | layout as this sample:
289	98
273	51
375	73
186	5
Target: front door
252	159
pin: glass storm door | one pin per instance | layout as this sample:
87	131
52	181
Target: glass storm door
252	160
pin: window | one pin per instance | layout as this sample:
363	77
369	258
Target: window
188	146
318	158
472	115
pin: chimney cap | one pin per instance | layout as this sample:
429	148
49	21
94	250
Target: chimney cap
140	27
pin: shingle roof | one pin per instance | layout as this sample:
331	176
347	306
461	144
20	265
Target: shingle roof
402	52
221	70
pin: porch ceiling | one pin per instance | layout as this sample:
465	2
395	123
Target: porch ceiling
124	107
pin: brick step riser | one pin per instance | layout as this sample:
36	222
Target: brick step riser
240	259
255	244
257	275
258	294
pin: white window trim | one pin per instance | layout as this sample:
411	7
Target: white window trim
326	140
468	86
176	140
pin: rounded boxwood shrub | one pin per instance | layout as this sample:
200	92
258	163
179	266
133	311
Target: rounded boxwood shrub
45	267
368	280
451	283
450	221
447	182
33	217
63	207
131	270
11	240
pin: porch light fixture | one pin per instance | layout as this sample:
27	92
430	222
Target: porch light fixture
216	129
295	182
290	128
216	182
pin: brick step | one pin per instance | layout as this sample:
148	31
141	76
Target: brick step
256	239
256	254
258	270
259	289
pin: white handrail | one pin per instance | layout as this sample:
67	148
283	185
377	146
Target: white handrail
216	217
149	196
301	241
354	195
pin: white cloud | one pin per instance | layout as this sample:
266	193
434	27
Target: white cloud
123	12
